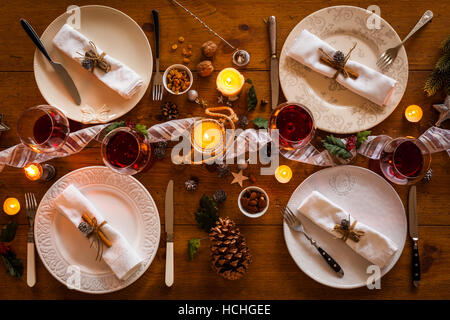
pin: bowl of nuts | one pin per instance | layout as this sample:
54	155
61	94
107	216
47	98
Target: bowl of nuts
253	202
177	79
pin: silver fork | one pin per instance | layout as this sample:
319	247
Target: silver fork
31	205
294	223
387	57
158	88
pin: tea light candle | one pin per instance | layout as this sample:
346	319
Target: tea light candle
413	113
33	171
230	82
283	174
11	206
36	171
208	135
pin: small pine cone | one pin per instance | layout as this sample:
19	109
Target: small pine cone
428	175
85	228
169	111
159	149
230	256
220	196
223	170
88	64
339	57
242	122
191	184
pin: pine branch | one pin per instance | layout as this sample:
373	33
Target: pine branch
445	46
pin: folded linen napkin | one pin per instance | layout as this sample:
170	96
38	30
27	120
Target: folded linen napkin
120	257
370	84
373	245
120	78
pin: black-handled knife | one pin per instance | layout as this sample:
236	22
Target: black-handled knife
414	234
58	67
274	80
156	26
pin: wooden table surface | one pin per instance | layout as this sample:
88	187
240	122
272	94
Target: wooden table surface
273	274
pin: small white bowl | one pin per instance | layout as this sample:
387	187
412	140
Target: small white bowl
181	67
249	214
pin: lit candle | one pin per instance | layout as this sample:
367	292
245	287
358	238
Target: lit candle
208	135
283	174
11	206
33	171
36	171
413	113
230	82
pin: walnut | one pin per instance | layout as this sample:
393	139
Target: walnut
205	68
209	49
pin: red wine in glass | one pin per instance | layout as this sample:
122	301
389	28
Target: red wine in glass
295	125
126	151
405	160
43	128
49	129
408	159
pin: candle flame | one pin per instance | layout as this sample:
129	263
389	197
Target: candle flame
228	80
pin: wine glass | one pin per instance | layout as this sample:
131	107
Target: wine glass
126	150
405	160
43	128
295	125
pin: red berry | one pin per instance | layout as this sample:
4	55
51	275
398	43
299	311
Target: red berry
351	143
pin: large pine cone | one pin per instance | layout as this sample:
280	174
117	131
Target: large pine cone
230	256
169	111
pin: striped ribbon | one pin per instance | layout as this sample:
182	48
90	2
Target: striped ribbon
250	140
20	155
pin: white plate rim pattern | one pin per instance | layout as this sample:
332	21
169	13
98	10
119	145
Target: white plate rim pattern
399	71
44	240
140	93
385	269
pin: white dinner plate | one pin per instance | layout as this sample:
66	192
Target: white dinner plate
116	34
125	204
335	108
369	199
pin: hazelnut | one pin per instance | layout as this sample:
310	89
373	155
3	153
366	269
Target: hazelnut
186	60
209	49
181	39
174	47
205	68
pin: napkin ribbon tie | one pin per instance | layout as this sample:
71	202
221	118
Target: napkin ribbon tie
338	62
99	237
348	232
97	59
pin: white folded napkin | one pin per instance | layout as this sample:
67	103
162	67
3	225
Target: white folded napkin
120	257
370	84
373	245
120	78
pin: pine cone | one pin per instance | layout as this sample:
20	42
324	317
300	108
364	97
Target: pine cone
191	184
339	57
230	256
169	111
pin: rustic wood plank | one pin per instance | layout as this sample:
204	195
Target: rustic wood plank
230	19
272	275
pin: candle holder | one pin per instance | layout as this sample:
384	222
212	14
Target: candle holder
36	171
11	206
208	134
413	113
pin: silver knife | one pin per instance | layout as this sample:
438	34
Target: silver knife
414	234
59	69
274	80
169	233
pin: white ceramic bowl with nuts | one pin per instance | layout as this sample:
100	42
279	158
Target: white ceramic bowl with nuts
253	201
169	80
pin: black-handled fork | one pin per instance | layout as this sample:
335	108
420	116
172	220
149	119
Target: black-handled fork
294	223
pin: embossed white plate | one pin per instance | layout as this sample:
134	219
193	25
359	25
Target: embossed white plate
335	108
116	34
126	205
369	199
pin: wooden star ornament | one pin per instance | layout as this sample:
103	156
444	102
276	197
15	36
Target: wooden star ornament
238	178
443	110
3	127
